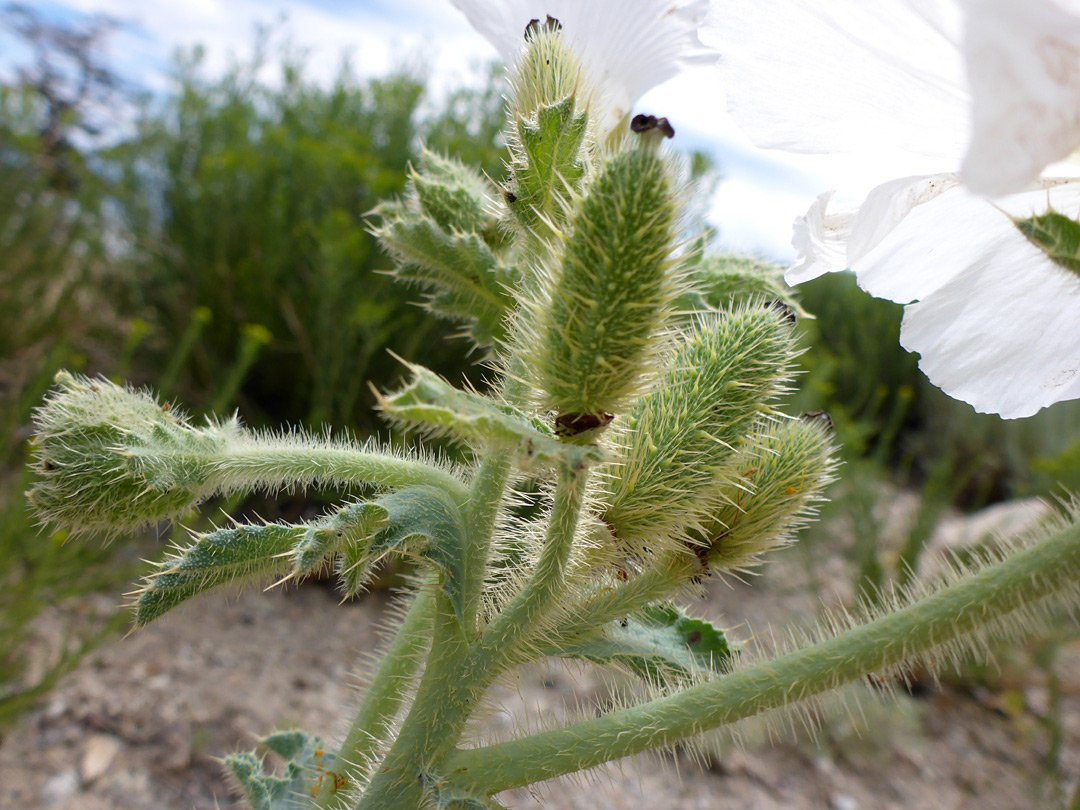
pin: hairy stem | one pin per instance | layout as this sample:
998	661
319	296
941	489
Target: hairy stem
667	574
458	674
265	461
384	697
517	620
960	608
485	496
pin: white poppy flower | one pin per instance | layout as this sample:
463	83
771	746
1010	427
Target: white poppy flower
995	319
626	48
998	80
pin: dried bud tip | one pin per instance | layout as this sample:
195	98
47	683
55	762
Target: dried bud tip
535	26
650	123
785	311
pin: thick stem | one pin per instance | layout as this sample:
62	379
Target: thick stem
384	697
961	608
438	714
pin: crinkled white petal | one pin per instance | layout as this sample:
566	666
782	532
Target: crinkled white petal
626	48
1023	65
828	241
821	241
844	75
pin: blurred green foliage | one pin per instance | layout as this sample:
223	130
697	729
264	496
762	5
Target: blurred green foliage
887	412
247	202
220	251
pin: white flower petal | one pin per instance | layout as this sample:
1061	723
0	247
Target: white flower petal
821	241
997	322
1004	335
1023	63
626	48
846	75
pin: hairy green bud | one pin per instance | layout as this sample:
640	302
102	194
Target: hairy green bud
110	457
456	196
780	475
549	133
680	437
591	341
446	238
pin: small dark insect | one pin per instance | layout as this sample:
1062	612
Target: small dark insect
535	26
573	424
819	416
624	622
786	312
648	123
509	196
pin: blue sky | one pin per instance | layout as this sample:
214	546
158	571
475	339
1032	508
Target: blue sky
754	206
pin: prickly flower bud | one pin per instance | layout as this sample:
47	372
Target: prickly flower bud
549	134
680	438
115	458
592	339
780	474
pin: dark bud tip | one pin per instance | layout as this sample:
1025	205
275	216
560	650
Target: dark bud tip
574	424
650	123
785	312
819	416
535	26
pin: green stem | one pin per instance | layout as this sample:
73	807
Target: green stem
667	574
975	600
485	496
517	620
270	462
437	715
384	696
458	674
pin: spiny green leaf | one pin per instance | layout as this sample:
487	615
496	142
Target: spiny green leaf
431	403
549	162
464	279
428	514
660	644
306	766
1056	235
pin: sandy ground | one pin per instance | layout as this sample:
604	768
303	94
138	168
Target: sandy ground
140	724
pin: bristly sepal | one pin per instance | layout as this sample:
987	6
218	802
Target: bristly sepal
680	438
